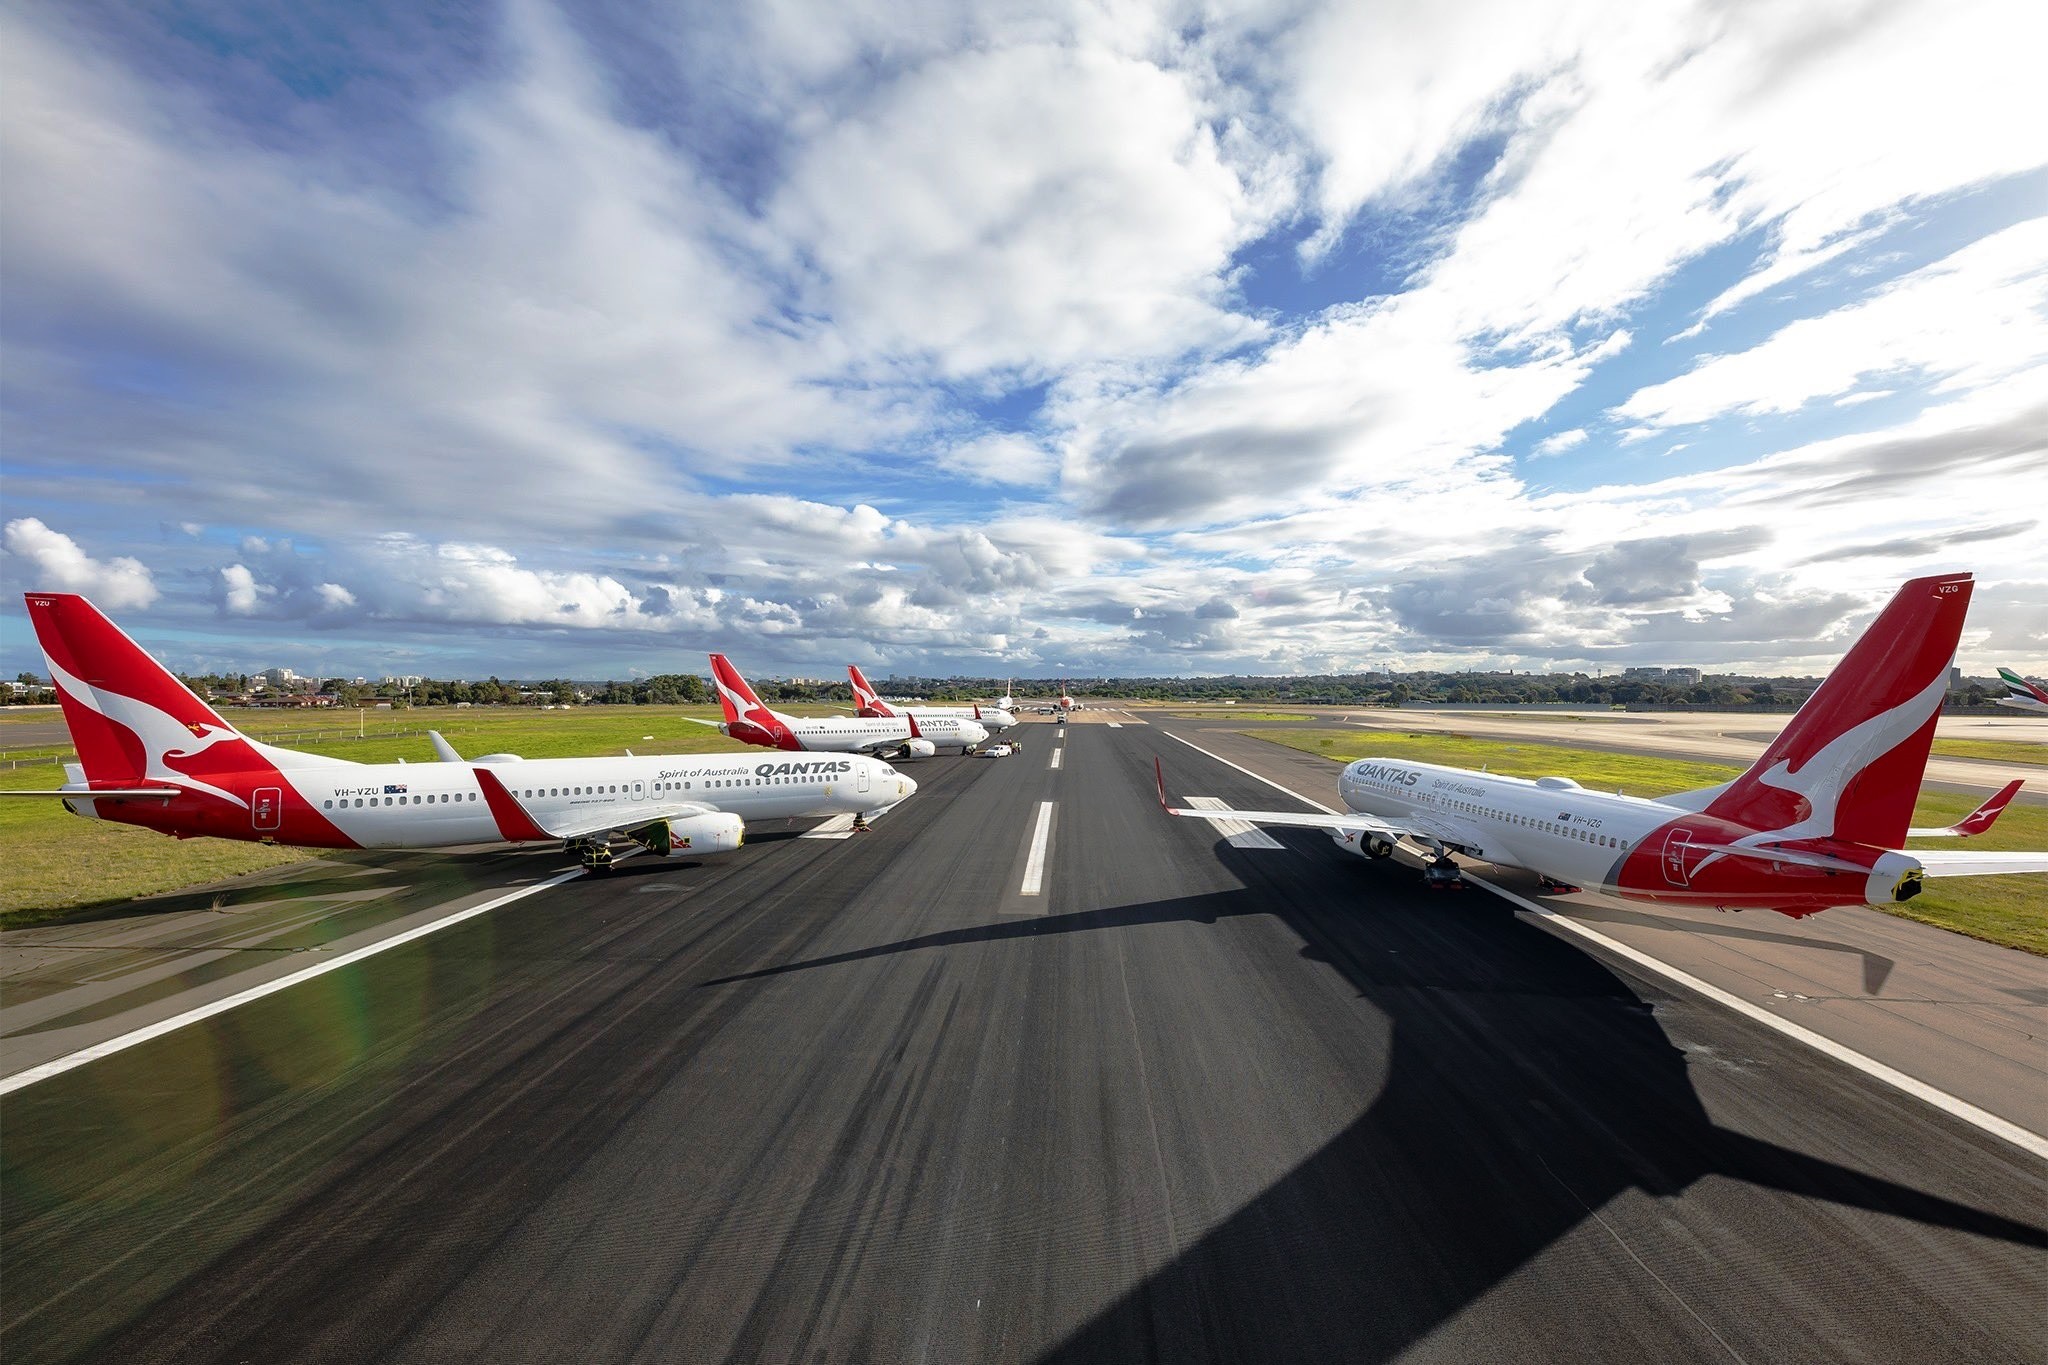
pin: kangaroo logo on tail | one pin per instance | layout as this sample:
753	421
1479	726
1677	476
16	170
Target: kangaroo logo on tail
865	701
747	717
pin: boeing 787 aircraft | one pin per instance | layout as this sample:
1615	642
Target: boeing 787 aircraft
1815	822
151	753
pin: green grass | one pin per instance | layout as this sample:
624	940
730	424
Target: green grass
1995	750
57	861
1235	714
2012	911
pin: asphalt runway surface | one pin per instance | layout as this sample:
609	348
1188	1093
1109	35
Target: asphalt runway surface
863	1100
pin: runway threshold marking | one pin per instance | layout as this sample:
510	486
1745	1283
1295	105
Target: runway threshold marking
1983	1119
1114	724
1034	862
23	1079
1057	755
838	827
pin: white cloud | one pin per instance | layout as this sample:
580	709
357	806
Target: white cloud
240	592
60	565
1561	442
1978	317
334	596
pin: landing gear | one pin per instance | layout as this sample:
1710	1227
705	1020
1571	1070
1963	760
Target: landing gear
595	855
860	822
1441	874
1552	886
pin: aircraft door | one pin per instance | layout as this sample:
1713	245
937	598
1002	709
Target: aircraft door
1678	853
266	809
861	781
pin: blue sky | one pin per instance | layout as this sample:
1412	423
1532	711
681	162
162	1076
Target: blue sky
1022	338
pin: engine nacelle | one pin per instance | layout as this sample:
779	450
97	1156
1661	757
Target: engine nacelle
692	835
919	748
1364	844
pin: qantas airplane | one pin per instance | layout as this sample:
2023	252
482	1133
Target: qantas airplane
153	754
748	718
1816	822
2025	695
869	704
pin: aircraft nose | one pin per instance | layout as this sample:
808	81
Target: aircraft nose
908	785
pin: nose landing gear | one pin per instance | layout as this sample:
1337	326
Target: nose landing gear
1441	874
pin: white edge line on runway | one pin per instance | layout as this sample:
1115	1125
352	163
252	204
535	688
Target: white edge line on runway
22	1079
1057	754
2024	1138
1034	864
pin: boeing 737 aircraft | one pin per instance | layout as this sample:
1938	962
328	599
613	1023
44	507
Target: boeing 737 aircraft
153	754
1815	822
2025	696
869	704
750	719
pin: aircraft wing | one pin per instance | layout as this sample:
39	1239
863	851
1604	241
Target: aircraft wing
1978	820
1427	827
1963	864
517	823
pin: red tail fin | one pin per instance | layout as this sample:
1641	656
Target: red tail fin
126	712
864	699
747	717
1849	765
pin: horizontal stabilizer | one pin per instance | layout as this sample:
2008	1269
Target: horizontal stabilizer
1965	864
1978	820
110	794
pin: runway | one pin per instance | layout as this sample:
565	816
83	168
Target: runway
872	1099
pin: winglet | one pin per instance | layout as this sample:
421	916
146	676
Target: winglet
915	733
515	826
977	711
1978	820
443	750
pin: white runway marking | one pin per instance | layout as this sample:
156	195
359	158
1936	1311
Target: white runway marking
1034	864
1240	833
1057	755
1115	724
838	827
2025	1139
23	1079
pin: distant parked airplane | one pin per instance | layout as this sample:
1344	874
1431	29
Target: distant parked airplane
748	718
1816	822
2025	696
868	703
153	754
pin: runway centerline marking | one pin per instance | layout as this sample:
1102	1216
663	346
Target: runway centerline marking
1983	1119
1034	862
70	1061
1057	755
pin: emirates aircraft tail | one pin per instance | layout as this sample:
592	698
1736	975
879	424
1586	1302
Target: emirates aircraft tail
131	720
1849	765
746	715
865	701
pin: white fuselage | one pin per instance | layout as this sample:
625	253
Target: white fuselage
992	719
427	805
1552	826
857	734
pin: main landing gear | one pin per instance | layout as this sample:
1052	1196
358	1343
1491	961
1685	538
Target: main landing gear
594	854
1552	886
1441	874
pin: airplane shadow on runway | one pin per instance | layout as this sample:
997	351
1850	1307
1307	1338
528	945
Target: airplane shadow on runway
1526	1087
1877	968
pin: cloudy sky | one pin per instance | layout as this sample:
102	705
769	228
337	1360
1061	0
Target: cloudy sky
1037	336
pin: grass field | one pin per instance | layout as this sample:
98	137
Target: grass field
2007	910
57	862
1235	714
1995	750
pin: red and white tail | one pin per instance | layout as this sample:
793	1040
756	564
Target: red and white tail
865	701
1849	765
130	719
747	717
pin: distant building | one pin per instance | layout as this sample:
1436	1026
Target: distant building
1682	677
1643	674
400	680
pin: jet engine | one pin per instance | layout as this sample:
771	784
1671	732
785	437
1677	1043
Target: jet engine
916	748
1365	845
691	835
